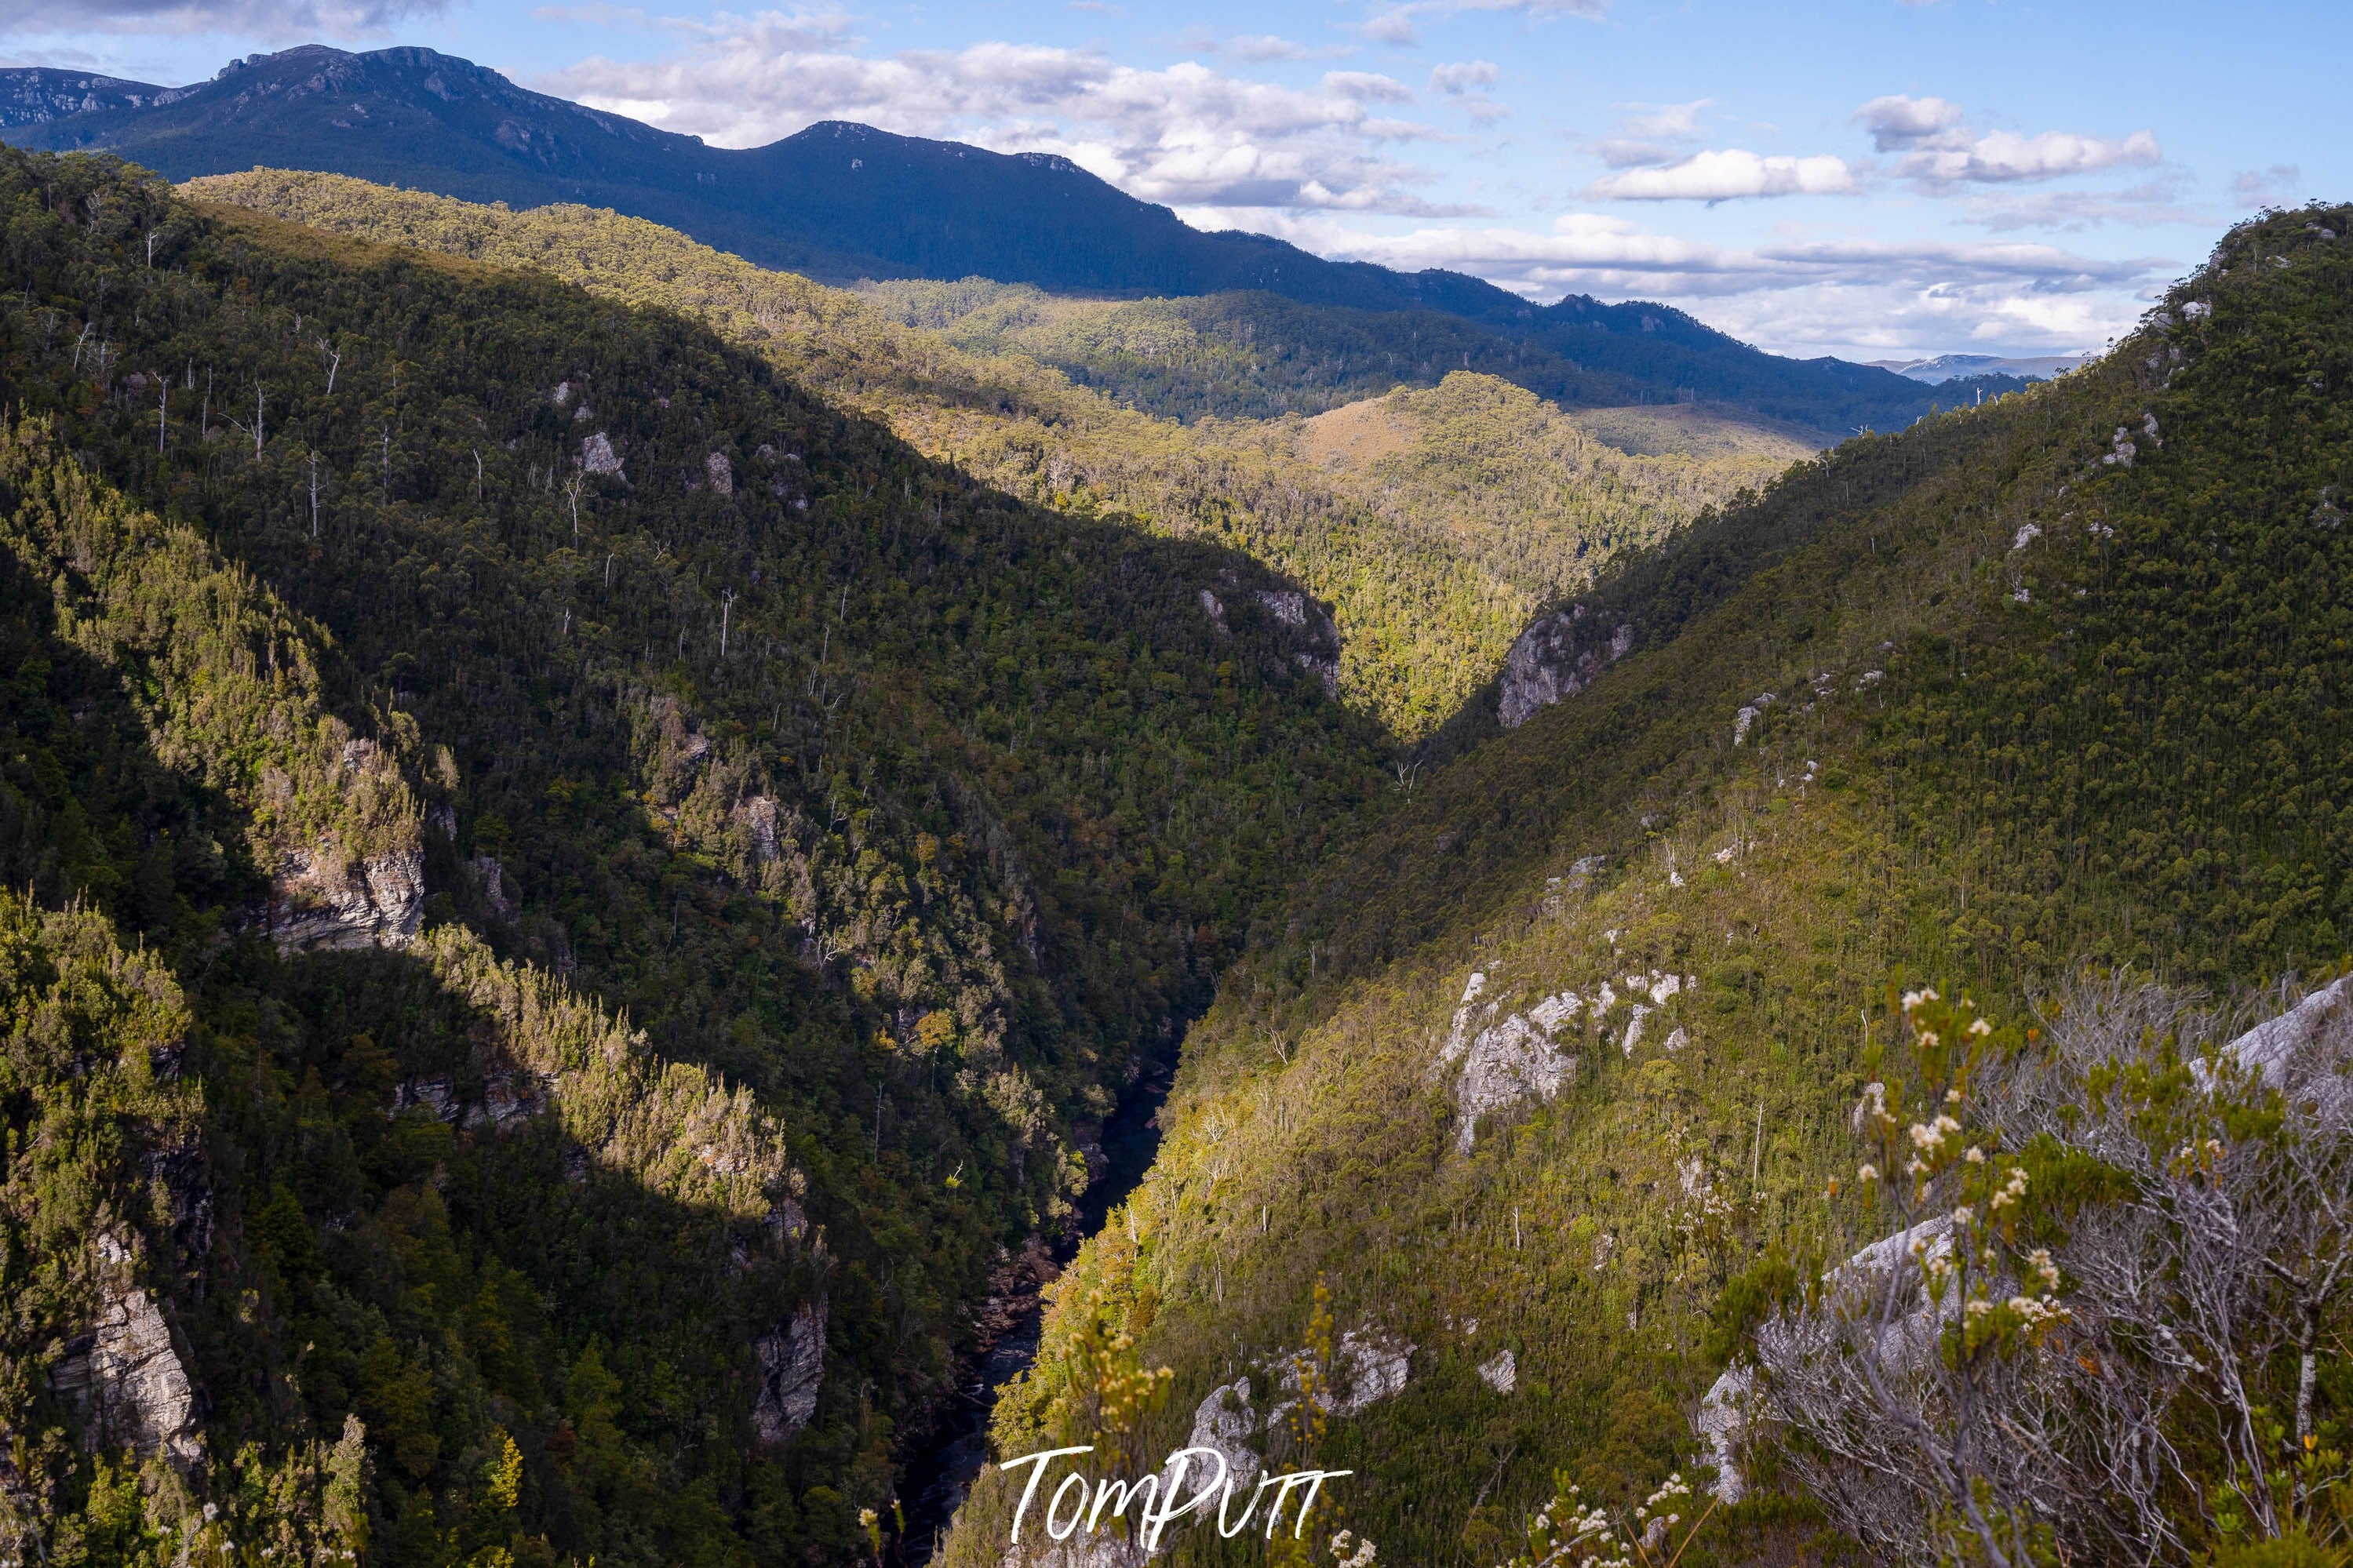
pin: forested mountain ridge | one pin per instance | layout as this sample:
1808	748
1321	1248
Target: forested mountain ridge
841	202
803	844
1382	556
1560	1089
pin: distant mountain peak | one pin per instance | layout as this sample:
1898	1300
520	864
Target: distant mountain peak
841	201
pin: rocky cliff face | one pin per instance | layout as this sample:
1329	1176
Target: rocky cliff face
123	1381
792	1364
318	903
1558	656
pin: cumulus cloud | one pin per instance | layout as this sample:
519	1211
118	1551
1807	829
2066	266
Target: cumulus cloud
1855	297
1938	151
1712	176
1463	76
273	20
1367	87
1187	134
1897	122
1650	133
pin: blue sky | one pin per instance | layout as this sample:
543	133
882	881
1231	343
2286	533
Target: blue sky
1874	179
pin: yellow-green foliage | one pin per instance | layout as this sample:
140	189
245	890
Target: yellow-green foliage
222	672
2032	707
1426	602
1523	489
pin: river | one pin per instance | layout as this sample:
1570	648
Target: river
943	1471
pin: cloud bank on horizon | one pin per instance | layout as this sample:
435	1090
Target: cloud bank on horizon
1494	137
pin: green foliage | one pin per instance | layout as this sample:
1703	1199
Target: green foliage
1521	487
1969	749
805	795
1231	355
1426	600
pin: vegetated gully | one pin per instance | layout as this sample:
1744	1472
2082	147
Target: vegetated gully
943	1471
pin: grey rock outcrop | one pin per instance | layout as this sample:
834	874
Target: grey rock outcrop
1104	1548
1723	1409
497	891
1506	1062
1557	656
792	1364
758	815
1299	614
598	457
1224	1422
1373	1365
123	1381
318	903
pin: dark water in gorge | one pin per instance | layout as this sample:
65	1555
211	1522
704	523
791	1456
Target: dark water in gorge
942	1473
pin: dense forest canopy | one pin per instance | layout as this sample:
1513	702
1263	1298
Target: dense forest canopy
808	843
1381	549
592	834
1550	1145
843	203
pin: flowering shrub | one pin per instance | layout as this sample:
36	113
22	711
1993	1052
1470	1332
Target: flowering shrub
2094	1323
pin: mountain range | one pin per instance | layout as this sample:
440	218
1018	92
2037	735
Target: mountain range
1950	367
1639	987
840	202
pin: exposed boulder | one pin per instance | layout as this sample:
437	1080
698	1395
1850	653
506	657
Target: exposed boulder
1506	1063
1224	1422
318	902
1298	612
508	1100
497	890
436	1096
759	815
598	457
1556	656
1724	1410
720	472
1105	1547
123	1381
1373	1364
1500	1372
792	1364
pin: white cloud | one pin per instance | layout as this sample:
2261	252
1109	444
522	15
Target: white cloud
271	20
2005	157
1620	153
1367	87
1712	176
2274	187
1463	75
1897	121
1939	151
1187	134
1860	297
1397	24
2150	204
1662	122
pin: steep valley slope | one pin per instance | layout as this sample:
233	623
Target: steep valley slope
846	202
593	833
572	905
1423	614
1476	1179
